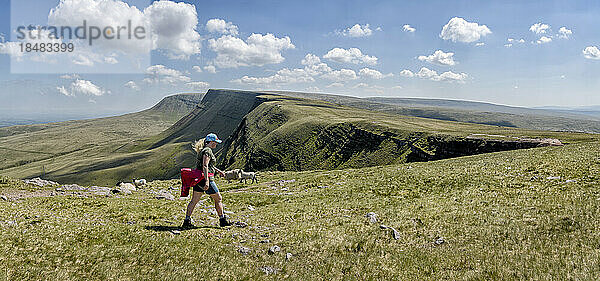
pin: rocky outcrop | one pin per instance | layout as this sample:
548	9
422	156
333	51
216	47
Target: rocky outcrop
265	141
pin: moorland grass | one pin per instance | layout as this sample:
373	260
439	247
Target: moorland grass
515	215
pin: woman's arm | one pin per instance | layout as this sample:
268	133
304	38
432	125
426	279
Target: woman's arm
221	173
205	160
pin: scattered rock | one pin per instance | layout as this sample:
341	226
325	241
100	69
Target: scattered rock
553	178
268	270
39	182
240	224
244	250
323	186
274	249
126	186
72	187
175	231
265	241
288	256
99	189
3	197
395	233
440	241
283	182
251	208
570	181
164	195
372	217
228	212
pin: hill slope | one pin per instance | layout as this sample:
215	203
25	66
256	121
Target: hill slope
514	215
464	111
285	133
262	131
33	150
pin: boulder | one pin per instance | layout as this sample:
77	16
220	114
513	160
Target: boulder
274	249
39	182
165	195
372	217
72	187
268	270
243	250
440	241
126	186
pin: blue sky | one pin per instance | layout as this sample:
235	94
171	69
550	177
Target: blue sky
537	71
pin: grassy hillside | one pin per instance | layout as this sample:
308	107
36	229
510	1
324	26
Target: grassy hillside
470	112
57	149
286	133
261	131
513	215
220	112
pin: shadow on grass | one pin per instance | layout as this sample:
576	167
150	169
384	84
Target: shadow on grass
167	228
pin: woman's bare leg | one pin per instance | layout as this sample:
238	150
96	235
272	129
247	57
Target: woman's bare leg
218	204
195	199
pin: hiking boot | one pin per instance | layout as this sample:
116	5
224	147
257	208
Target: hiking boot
223	222
187	224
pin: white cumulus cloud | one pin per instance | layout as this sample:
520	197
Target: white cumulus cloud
448	76
352	55
406	73
408	28
169	26
258	49
79	87
283	76
132	85
162	74
340	75
539	28
439	57
357	31
373	74
458	29
592	53
210	69
310	59
198	86
221	26
544	40
564	33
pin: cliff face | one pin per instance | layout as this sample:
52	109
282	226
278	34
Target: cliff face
270	139
220	112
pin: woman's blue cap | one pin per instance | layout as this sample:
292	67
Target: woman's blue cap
212	137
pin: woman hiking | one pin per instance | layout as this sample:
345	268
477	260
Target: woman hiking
205	161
